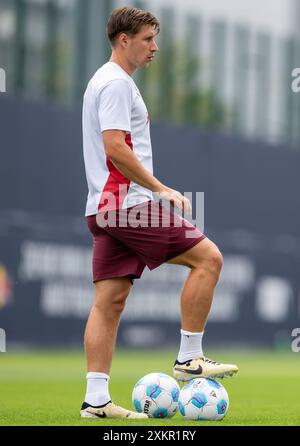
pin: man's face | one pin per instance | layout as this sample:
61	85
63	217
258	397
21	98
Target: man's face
141	48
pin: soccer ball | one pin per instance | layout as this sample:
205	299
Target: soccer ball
203	399
156	394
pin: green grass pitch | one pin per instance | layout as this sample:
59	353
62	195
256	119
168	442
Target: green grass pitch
47	387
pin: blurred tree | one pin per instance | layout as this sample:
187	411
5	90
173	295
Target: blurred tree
191	103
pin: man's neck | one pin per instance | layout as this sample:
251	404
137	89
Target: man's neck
123	64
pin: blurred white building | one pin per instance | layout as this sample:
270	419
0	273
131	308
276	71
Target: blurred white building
280	17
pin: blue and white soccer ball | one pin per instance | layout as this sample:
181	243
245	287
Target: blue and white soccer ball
156	394
203	399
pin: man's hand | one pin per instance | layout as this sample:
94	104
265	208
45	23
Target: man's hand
176	199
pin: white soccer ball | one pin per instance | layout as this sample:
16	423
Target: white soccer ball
203	399
156	394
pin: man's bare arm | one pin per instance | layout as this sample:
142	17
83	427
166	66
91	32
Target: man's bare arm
128	164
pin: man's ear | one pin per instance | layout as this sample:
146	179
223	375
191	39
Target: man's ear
123	39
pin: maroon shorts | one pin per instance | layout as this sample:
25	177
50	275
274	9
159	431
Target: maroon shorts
148	234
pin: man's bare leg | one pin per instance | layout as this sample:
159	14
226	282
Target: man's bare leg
205	261
99	342
102	325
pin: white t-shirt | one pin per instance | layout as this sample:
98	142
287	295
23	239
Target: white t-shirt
112	101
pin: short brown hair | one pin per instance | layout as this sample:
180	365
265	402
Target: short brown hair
129	21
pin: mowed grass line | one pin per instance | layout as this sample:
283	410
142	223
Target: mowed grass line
47	388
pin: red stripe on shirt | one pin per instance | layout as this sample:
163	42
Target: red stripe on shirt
115	179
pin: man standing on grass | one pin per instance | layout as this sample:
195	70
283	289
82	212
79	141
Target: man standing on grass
118	163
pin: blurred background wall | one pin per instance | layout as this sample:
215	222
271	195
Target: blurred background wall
222	65
225	122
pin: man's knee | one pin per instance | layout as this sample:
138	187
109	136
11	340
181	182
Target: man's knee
216	260
119	301
112	295
211	262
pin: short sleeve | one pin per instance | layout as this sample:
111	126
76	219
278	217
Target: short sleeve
115	102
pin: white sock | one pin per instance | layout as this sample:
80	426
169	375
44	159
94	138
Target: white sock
97	393
190	346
